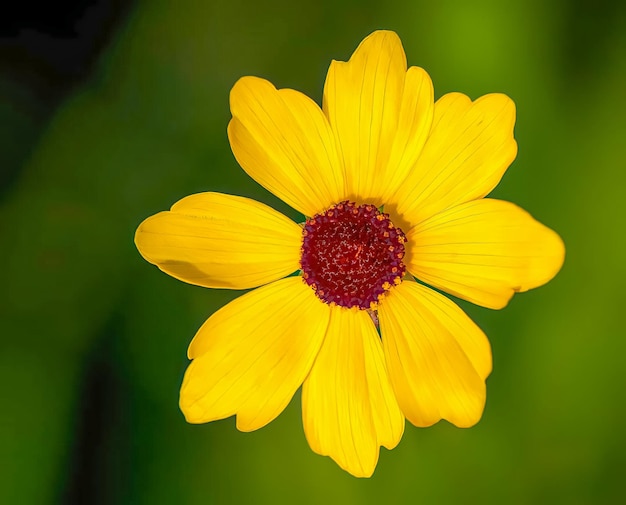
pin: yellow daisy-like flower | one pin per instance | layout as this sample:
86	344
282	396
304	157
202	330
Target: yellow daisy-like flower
393	185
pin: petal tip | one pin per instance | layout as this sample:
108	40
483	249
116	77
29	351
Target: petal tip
190	410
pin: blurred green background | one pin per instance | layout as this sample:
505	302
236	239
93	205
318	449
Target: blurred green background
94	338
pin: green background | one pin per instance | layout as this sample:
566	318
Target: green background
90	331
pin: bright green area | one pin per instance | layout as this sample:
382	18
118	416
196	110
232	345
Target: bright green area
151	128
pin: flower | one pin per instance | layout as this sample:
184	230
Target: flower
393	188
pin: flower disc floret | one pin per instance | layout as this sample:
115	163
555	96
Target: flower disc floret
352	255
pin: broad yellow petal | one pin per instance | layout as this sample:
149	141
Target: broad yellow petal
375	117
250	357
348	407
484	251
221	241
469	148
437	357
282	140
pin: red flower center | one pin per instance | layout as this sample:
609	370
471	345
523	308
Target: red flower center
352	255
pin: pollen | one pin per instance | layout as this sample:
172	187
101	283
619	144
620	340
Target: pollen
352	255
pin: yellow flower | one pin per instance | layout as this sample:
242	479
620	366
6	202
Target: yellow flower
393	185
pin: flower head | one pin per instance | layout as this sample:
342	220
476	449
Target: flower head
393	187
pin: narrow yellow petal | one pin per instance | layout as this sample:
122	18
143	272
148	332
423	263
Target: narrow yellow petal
437	357
282	140
484	251
469	148
414	122
348	407
362	100
221	241
250	357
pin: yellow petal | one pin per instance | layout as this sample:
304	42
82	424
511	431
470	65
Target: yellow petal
362	100
251	356
282	140
221	241
469	148
437	357
414	122
348	407
484	251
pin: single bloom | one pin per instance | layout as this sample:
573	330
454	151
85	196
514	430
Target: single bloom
392	185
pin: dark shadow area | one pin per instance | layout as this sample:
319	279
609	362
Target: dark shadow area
589	30
46	51
98	466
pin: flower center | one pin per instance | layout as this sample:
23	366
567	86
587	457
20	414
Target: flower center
352	255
